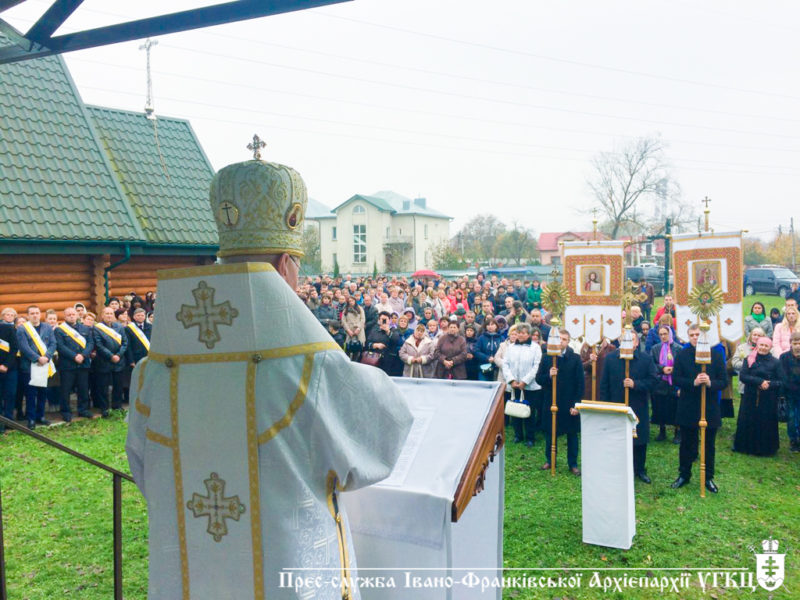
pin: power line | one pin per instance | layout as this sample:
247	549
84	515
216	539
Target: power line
483	120
479	98
554	58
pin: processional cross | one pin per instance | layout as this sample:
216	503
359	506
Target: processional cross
207	315
256	145
216	507
705	201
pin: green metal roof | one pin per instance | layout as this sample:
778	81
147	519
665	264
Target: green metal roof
164	173
55	180
378	203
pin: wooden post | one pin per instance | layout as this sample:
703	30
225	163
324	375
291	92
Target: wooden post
627	375
703	424
98	298
594	372
554	411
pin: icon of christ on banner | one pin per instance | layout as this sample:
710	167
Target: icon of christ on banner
594	278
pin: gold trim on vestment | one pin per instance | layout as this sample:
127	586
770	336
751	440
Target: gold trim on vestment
207	270
252	466
332	485
297	402
159	439
283	352
141	408
176	466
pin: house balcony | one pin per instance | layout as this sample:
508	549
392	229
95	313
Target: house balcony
398	240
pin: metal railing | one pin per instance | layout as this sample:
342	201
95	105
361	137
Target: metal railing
117	477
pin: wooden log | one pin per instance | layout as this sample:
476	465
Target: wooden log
35	259
44	268
96	287
44	286
63	298
22	308
26	278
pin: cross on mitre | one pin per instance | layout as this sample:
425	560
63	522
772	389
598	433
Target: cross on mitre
255	146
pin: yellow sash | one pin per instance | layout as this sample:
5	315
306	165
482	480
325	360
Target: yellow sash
140	336
5	346
37	341
76	337
109	332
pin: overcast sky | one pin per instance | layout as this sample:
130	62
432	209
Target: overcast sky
480	106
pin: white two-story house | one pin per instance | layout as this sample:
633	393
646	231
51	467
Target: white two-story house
386	230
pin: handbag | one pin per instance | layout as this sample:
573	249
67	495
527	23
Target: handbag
416	373
371	358
783	410
518	408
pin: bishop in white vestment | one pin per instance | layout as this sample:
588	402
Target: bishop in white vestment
248	419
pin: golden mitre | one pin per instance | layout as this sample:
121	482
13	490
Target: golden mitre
259	208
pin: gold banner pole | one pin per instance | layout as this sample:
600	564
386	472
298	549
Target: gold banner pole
703	424
594	375
627	375
553	411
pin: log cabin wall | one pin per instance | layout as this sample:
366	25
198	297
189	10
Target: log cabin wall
47	280
139	273
60	280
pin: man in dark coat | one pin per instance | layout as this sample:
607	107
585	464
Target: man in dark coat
8	370
75	343
111	344
139	332
37	344
790	368
641	380
689	378
569	390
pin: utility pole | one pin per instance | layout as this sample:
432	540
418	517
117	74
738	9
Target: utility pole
667	237
791	230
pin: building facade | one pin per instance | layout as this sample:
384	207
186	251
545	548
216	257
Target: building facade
385	231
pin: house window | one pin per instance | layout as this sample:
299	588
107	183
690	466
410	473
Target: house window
335	258
426	231
400	231
333	234
358	209
387	232
359	244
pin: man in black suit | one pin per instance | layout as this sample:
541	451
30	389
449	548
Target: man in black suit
690	379
139	331
75	343
8	370
111	343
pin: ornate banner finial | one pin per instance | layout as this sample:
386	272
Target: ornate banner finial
555	297
255	146
594	223
705	201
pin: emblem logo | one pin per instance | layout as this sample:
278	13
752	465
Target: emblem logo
228	214
770	566
294	216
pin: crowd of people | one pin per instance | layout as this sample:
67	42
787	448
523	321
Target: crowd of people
89	357
470	329
494	329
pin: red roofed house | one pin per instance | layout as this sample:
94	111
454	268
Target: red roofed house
549	243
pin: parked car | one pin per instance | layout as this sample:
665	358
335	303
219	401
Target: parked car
769	279
653	275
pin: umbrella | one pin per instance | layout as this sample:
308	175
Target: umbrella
425	273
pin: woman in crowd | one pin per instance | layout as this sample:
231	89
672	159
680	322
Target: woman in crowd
637	318
520	364
326	312
782	333
654	337
665	394
744	350
383	339
417	354
353	321
775	317
757	427
433	330
534	296
644	331
473	364
757	318
451	354
416	300
485	349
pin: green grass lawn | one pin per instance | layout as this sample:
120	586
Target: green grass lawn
57	517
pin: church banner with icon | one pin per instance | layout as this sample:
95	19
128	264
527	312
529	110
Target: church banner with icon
708	270
594	273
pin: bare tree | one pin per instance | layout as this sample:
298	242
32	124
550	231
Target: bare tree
633	186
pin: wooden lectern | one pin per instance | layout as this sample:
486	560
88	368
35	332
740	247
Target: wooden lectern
609	511
440	512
